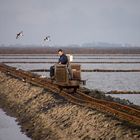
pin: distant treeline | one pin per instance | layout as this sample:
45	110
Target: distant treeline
72	50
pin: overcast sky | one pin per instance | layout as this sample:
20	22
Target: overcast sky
70	21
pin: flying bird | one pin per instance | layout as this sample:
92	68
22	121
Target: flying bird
47	38
19	34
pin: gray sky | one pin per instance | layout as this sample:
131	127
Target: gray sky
70	21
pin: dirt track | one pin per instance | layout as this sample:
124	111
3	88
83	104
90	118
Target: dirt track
46	116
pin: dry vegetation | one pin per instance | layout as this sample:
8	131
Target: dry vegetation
47	116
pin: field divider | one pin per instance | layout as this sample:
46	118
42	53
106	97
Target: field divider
123	112
94	62
89	70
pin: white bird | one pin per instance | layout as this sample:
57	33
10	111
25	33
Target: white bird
19	34
47	38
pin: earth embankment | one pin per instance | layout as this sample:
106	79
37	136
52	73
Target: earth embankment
44	115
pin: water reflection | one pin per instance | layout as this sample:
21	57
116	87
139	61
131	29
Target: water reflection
131	97
9	130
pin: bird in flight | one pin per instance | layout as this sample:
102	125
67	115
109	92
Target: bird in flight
47	38
19	34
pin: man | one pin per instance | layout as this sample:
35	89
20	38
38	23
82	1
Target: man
62	60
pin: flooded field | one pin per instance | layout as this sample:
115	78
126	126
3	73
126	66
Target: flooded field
105	81
9	130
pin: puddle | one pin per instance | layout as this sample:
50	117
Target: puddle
9	129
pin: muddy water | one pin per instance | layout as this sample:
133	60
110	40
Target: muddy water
9	130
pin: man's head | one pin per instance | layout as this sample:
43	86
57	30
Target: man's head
60	52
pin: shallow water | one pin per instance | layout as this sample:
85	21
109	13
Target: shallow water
107	81
9	130
29	66
131	97
104	81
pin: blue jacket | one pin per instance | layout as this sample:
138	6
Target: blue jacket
63	59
